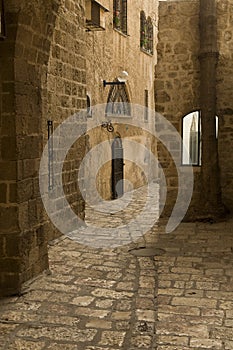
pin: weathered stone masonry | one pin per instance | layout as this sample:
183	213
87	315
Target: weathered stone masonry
177	84
36	68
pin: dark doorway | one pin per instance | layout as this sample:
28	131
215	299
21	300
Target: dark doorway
117	168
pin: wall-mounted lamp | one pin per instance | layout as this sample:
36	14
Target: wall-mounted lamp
121	79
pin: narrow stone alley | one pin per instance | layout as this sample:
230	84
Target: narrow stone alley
175	295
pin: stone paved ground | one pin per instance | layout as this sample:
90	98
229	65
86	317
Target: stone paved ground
93	299
109	299
195	288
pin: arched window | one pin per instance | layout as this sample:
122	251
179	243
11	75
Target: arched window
191	131
120	15
118	101
146	33
191	135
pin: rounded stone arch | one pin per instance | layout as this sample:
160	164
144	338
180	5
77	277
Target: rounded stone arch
24	56
29	31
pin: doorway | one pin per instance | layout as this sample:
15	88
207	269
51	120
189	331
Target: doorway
117	168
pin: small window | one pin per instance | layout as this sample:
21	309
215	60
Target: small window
120	15
191	139
146	112
146	33
191	134
89	113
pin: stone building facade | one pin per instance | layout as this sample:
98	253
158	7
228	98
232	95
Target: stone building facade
43	78
110	52
177	85
50	62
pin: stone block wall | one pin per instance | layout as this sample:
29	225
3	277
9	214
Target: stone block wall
26	56
224	98
108	53
177	82
65	94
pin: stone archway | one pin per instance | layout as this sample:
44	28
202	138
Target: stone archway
25	55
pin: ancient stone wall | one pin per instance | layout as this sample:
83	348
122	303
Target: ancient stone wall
177	79
27	55
224	98
108	53
65	95
177	83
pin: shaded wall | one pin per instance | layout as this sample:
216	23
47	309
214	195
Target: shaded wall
25	56
177	82
224	98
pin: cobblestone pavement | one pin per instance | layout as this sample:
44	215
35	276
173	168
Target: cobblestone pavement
110	299
93	299
195	287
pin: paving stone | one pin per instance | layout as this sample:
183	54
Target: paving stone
201	315
145	315
18	316
206	344
83	301
57	333
84	311
124	305
173	340
128	286
112	338
145	303
59	320
107	293
197	331
99	324
200	302
121	315
108	299
104	304
123	325
141	341
21	344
